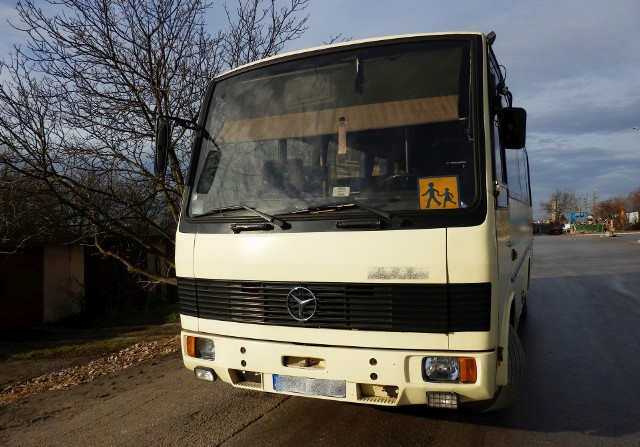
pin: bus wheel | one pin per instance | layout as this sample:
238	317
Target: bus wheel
506	394
525	309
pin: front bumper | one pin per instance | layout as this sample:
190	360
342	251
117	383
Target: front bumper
389	377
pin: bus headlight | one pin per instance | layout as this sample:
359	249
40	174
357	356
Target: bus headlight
449	369
441	369
203	348
206	349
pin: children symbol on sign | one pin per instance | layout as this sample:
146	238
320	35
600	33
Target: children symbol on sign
432	192
448	197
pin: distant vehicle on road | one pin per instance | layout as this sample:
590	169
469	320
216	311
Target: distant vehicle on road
556	228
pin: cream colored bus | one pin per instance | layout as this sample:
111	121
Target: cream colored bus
357	225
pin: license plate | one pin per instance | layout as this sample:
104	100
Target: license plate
310	387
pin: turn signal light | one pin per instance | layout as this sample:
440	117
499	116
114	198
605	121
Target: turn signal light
190	342
468	370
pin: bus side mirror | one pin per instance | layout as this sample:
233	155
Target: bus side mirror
162	148
513	127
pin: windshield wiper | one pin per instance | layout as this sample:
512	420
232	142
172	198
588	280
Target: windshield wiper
269	218
392	219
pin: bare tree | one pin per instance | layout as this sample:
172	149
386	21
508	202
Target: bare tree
79	106
611	207
26	213
633	200
560	204
260	29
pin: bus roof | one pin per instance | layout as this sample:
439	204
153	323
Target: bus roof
324	48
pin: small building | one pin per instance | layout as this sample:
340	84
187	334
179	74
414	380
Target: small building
47	282
40	284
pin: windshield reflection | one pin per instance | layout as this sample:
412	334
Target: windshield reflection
394	136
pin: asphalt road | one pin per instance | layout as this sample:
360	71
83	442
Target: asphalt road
581	388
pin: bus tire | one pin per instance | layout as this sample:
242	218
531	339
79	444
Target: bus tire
525	309
506	394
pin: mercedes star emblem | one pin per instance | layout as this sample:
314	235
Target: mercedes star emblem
301	303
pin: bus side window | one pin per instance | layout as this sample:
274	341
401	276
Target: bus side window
499	171
498	156
513	174
523	161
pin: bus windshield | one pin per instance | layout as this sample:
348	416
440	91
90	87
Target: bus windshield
385	126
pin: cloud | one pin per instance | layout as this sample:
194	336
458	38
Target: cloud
608	163
580	116
9	15
549	40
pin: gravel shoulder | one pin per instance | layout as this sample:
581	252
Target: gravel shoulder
22	376
78	371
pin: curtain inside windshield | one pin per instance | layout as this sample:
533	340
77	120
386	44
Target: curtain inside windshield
386	126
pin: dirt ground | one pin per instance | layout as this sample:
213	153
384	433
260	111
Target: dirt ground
17	371
20	378
32	391
89	413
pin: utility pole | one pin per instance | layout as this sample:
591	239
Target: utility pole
593	206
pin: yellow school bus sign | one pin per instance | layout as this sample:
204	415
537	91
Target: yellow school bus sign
438	193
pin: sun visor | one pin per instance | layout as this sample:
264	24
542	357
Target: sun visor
361	117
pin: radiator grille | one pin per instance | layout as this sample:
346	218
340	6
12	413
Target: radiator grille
427	308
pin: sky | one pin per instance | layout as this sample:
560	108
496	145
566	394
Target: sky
574	65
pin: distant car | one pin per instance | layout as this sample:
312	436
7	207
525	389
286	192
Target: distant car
567	228
555	228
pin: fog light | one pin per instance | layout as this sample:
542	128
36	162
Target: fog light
205	374
442	400
206	348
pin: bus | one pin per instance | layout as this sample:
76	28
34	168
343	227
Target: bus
356	225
